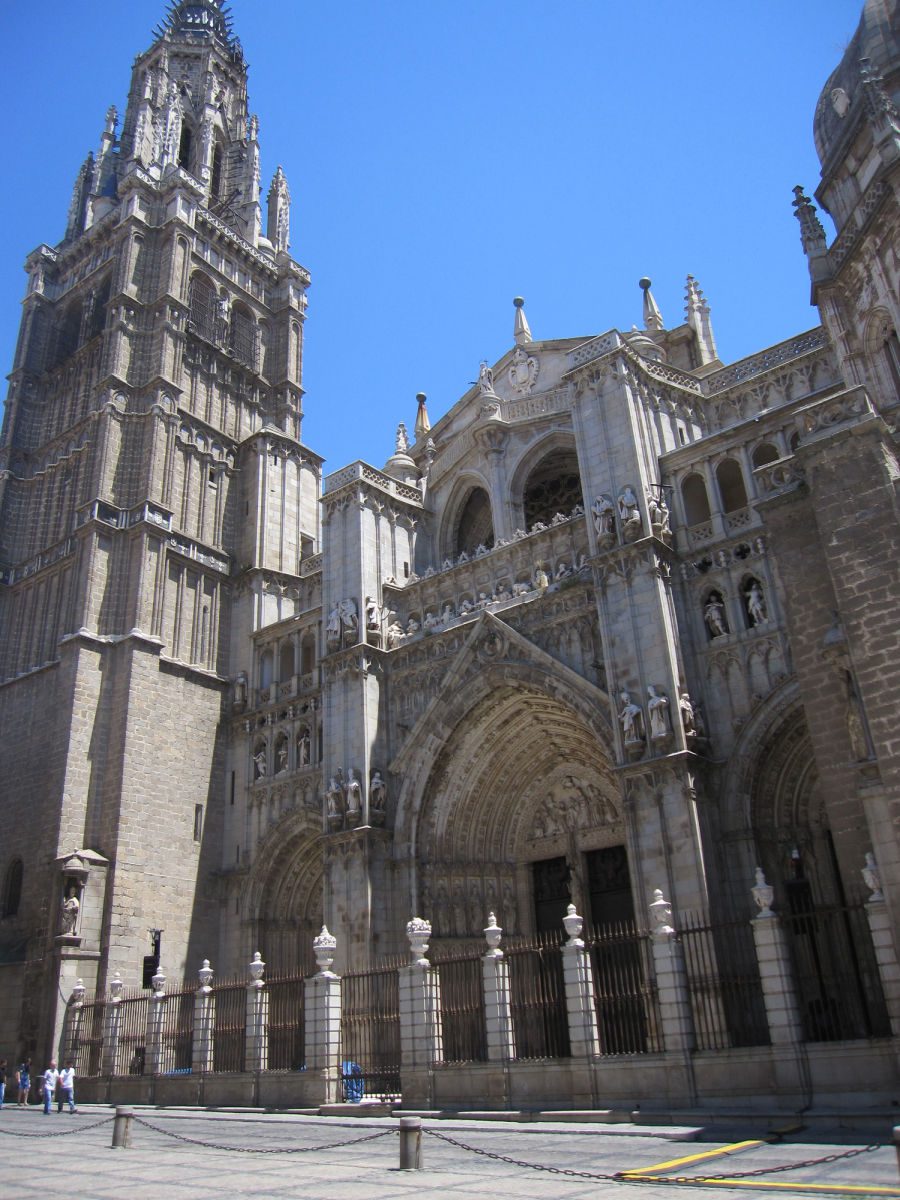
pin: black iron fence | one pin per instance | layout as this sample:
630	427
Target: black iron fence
624	989
132	1051
836	974
87	1049
286	1023
462	1007
538	997
370	1033
723	981
176	1033
229	1025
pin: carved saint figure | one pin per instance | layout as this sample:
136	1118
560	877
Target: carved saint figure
260	765
629	513
447	614
603	511
333	627
431	621
541	582
281	756
756	604
377	793
632	719
657	707
335	798
659	514
349	620
303	749
872	877
486	379
714	615
394	635
240	691
70	909
373	614
688	717
412	626
354	795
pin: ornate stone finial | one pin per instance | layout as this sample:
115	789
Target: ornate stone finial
278	226
696	311
159	982
423	425
205	975
812	232
573	924
872	879
116	987
661	916
77	996
521	331
324	946
112	120
492	935
763	895
418	932
653	318
256	969
879	104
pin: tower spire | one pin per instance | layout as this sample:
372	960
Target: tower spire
521	330
696	310
198	19
653	318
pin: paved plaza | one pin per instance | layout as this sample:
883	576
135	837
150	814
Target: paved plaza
181	1153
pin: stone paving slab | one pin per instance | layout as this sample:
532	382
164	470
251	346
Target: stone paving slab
159	1164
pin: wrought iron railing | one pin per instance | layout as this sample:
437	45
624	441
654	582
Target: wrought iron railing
229	1025
87	1049
625	992
462	1007
286	1023
176	1034
370	1033
132	1049
723	981
537	997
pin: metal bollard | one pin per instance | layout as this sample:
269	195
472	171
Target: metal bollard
410	1143
897	1144
122	1129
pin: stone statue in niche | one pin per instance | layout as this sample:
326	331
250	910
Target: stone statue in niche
354	796
412	626
756	604
459	910
334	798
71	906
281	756
394	635
377	796
510	908
659	516
541	581
604	513
486	379
349	621
688	715
657	708
260	765
476	913
522	372
333	628
629	513
632	720
303	748
447	614
240	691
373	615
714	615
431	622
872	878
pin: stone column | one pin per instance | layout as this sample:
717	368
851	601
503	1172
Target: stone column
775	970
322	1016
204	1022
581	1008
256	1045
883	942
74	1020
155	1016
421	1035
501	1041
671	979
112	1025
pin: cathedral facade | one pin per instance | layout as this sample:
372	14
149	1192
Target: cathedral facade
623	619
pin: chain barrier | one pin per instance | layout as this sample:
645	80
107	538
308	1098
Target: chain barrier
635	1176
180	1137
52	1133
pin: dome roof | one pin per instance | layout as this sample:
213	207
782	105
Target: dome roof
878	40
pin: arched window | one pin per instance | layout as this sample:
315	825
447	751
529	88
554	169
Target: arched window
203	307
69	334
185	147
696	501
99	301
308	654
554	486
730	479
215	176
266	663
12	888
763	454
476	523
286	662
242	336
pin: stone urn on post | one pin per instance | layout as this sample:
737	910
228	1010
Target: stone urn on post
324	947
492	935
763	895
573	924
419	934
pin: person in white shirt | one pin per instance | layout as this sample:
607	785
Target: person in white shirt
49	1085
65	1087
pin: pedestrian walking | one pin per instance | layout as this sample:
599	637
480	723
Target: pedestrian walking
50	1077
65	1087
2	1080
23	1080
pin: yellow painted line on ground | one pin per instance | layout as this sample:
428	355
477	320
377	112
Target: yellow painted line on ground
733	1148
833	1189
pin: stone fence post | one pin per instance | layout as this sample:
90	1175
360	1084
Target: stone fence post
775	970
204	1022
501	1041
156	1012
112	1027
72	1024
322	1017
671	979
256	1027
881	929
578	976
421	1032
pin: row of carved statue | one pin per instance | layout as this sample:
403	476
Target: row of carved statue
631	523
634	726
754	602
344	799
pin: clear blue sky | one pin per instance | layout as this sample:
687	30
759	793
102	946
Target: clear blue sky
446	155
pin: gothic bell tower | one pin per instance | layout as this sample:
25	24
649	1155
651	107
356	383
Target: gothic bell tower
152	478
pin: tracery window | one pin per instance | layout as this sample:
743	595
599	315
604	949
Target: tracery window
242	336
696	501
476	523
203	307
554	486
730	479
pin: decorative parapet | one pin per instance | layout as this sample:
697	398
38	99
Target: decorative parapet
542	405
362	472
47	558
756	364
851	233
779	477
826	415
595	348
312	565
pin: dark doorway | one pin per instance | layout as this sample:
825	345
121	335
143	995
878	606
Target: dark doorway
551	893
609	886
